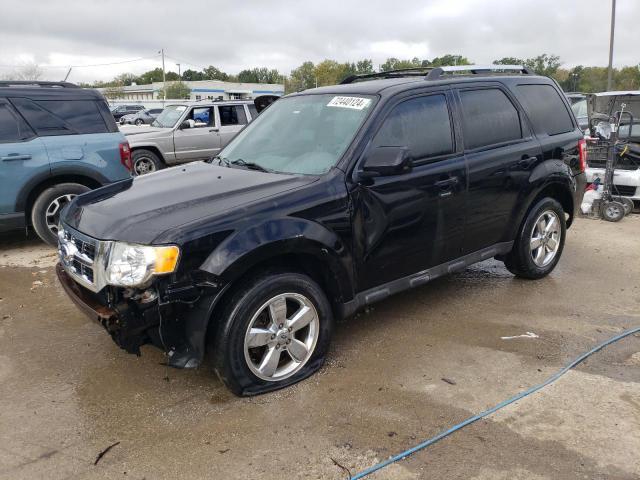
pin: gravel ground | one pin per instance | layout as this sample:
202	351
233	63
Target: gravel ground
67	392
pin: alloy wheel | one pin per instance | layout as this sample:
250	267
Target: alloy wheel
52	213
545	238
143	165
281	336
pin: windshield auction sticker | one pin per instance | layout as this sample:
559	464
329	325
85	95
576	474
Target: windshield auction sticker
355	103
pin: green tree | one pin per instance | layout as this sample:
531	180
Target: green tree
509	61
302	78
175	91
544	64
151	76
213	73
364	66
126	79
192	75
393	63
627	78
448	60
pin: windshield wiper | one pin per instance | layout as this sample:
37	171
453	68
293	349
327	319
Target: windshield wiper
249	165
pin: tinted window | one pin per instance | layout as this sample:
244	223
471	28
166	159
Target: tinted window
545	108
421	124
44	122
253	111
12	128
82	115
232	115
488	117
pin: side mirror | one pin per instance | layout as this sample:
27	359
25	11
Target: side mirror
385	161
185	125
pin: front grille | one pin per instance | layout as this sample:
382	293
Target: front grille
624	190
78	254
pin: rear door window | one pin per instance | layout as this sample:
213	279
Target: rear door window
421	124
12	127
546	109
488	118
232	115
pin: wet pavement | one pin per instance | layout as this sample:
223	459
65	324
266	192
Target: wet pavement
67	392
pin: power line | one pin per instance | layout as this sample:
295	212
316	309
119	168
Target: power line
85	66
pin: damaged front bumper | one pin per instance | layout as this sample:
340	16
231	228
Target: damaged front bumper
174	320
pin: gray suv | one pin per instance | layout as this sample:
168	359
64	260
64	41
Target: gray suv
185	132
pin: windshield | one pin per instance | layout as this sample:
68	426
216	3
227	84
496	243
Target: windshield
169	116
305	134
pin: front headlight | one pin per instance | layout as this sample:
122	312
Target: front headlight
133	265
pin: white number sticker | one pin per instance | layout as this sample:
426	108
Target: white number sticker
355	103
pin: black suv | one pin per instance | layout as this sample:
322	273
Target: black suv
332	199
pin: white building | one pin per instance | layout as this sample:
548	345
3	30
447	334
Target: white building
200	90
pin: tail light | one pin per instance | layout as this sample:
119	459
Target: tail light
582	154
125	155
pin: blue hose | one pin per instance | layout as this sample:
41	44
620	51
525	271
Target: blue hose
535	388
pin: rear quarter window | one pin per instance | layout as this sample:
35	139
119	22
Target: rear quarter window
545	108
488	118
62	117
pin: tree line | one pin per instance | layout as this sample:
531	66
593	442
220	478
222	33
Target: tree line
329	72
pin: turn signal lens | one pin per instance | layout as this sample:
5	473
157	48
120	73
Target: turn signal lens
166	259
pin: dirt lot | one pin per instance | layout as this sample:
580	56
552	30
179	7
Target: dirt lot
67	392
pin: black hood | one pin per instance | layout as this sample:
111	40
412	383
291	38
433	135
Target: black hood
140	209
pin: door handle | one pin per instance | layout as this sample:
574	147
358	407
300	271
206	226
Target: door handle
214	129
449	182
15	156
526	162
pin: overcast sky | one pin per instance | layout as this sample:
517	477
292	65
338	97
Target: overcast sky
282	34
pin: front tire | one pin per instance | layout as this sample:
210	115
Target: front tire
540	241
145	161
274	332
45	214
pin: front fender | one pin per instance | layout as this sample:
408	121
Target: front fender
277	237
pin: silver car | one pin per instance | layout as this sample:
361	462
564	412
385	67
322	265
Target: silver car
143	117
186	132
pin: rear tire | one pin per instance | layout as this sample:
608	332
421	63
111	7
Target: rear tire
284	317
145	161
45	213
540	241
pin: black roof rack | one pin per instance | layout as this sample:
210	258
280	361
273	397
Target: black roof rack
36	83
435	73
401	72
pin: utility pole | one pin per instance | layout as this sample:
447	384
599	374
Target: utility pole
164	79
179	74
613	26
